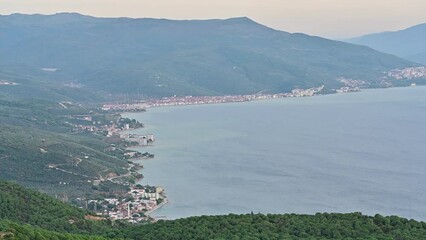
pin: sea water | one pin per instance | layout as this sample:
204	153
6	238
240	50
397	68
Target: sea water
363	152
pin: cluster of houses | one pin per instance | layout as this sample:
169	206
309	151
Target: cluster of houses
408	73
88	124
139	201
305	92
106	124
134	207
129	107
113	130
195	100
141	140
131	139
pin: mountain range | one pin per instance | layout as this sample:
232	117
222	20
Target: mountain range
69	54
408	43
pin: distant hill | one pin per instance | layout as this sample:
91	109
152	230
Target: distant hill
408	43
158	57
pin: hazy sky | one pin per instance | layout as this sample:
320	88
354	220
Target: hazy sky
328	18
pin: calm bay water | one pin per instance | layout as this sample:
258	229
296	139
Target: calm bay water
362	152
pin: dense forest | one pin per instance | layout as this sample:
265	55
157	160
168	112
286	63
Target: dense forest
283	226
13	231
26	206
28	214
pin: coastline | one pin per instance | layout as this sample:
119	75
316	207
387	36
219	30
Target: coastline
292	97
201	100
350	86
368	89
148	213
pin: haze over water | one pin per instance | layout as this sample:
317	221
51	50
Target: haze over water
360	152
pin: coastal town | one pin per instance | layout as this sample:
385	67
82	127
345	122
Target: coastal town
138	202
134	207
197	100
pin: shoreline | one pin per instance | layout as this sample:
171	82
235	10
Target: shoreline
277	98
135	161
163	203
127	108
202	100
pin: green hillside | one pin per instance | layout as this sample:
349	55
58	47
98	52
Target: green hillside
164	57
31	82
27	153
38	149
24	206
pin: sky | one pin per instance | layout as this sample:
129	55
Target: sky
335	19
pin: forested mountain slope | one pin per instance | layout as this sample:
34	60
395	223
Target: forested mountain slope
158	57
